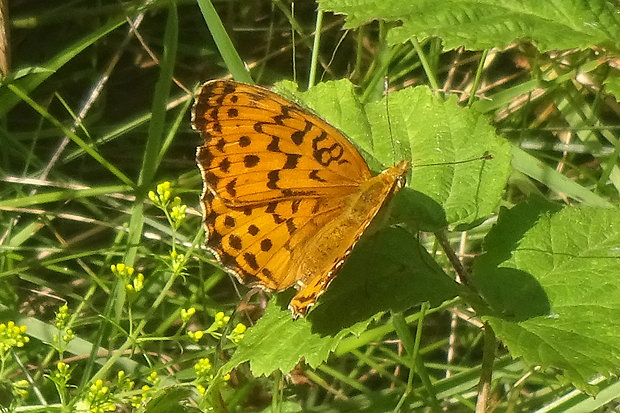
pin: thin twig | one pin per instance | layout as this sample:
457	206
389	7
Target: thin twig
486	371
463	277
453	316
5	45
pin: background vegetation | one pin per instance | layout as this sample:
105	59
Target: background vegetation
494	286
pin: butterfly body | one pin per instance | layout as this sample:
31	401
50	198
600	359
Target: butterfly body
286	195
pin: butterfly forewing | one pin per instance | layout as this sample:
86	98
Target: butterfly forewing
260	147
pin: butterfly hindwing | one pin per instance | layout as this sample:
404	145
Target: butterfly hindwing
256	244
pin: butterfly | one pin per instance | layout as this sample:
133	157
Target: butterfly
286	196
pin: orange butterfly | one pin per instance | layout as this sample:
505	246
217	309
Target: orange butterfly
286	195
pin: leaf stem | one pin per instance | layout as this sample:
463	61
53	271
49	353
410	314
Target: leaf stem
452	257
427	69
315	48
486	372
474	88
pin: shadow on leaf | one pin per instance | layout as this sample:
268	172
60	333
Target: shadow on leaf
418	210
388	271
520	297
514	295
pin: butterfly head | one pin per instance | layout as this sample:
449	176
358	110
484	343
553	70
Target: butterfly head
401	169
397	174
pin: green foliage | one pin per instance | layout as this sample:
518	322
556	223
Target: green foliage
283	350
481	24
171	399
612	86
391	271
550	277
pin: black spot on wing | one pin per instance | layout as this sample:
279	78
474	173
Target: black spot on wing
215	238
250	259
224	165
250	160
258	127
228	260
228	89
204	157
291	161
229	221
266	244
290	226
267	274
211	179
298	136
244	141
287	192
314	175
273	178
274	145
295	206
230	187
235	242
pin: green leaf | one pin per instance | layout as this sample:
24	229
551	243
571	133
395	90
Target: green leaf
485	24
62	195
229	54
426	130
612	85
78	346
279	342
437	131
388	271
6	394
286	406
551	277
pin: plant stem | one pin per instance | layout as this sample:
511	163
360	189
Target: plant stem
486	373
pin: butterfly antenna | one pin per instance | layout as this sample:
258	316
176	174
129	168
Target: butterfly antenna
484	157
386	88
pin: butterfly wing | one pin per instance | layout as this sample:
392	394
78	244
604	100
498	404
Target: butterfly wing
286	195
260	147
257	243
